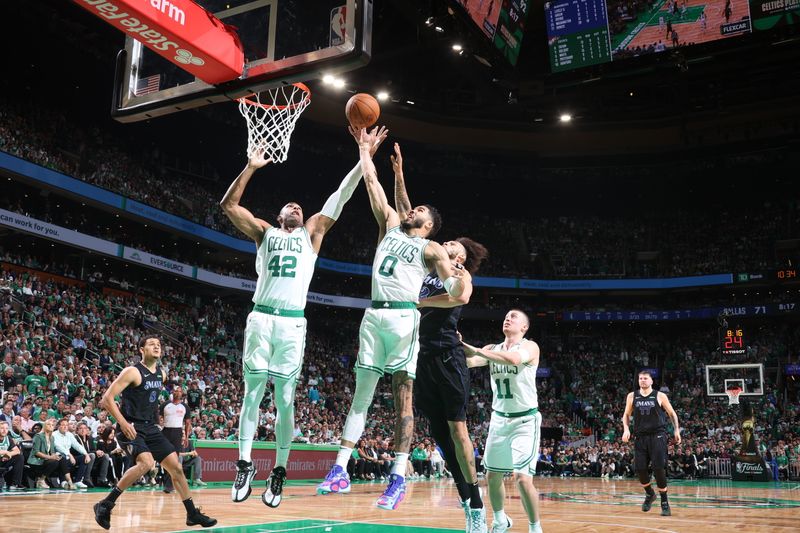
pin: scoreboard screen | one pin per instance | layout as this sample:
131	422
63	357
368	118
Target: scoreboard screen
577	33
588	32
731	341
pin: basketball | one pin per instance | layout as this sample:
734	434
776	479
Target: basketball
362	110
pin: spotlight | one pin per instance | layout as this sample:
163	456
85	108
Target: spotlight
457	47
565	117
328	79
438	29
338	83
382	96
410	102
429	22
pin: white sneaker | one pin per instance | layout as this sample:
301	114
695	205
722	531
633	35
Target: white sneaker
80	485
200	483
477	520
42	484
535	529
465	507
502	528
245	473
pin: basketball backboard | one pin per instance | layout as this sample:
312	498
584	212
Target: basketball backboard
284	41
748	377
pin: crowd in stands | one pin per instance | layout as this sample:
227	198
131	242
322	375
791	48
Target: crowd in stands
62	345
664	242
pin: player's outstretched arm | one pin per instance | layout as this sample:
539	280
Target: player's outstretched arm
129	376
242	218
319	224
527	353
452	278
402	203
383	212
626	434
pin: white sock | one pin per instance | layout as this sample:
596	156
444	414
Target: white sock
500	517
344	456
534	527
399	466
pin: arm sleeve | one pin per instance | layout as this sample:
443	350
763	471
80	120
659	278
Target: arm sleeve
335	202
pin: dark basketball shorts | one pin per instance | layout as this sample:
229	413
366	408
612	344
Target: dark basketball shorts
650	450
442	387
148	439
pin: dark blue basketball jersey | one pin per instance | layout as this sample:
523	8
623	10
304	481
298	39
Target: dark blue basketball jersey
140	404
437	329
648	417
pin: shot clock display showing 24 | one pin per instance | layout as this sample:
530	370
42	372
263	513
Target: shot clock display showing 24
731	341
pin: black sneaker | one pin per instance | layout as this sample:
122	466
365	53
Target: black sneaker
273	495
648	501
665	510
102	513
245	473
197	518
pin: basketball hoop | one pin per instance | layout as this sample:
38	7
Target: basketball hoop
733	395
271	116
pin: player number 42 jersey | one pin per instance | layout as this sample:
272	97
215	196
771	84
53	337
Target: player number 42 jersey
285	266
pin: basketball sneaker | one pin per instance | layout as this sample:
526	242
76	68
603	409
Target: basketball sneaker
245	473
102	513
394	493
196	518
648	501
497	527
272	496
477	520
337	481
465	506
665	510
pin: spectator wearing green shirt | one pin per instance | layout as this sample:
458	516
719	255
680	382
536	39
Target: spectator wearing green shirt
35	383
421	460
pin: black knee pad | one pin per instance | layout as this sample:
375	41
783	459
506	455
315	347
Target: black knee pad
644	477
661	477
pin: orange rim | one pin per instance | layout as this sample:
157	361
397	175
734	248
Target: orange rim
302	86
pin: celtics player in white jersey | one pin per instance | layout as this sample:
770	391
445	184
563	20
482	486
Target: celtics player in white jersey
389	332
515	426
274	339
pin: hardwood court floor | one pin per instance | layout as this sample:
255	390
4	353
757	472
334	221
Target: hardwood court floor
568	505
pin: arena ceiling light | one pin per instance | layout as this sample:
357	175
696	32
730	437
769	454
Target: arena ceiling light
565	117
382	96
457	47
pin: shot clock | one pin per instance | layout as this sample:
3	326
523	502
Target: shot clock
731	341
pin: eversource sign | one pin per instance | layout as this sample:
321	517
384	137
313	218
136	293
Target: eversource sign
161	263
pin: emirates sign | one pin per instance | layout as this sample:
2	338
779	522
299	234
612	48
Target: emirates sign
180	31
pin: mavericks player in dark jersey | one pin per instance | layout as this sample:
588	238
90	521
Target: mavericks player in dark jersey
137	434
442	389
650	409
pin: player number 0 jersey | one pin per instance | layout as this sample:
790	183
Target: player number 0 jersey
399	267
513	386
285	266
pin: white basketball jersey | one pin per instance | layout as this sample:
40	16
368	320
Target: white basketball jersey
513	386
399	267
285	265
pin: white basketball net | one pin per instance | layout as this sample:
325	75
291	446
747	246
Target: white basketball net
733	396
271	116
